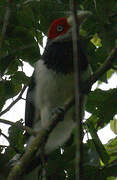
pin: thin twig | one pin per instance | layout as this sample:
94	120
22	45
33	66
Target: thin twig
23	99
14	102
4	136
78	97
5	24
6	122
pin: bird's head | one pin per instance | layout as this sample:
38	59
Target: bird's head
61	26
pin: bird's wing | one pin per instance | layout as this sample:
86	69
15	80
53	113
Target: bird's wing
30	107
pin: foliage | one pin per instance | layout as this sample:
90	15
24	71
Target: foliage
23	24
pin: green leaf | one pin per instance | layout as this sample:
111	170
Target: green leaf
111	148
20	78
110	73
113	125
96	41
13	67
16	137
8	89
5	61
90	173
98	145
111	178
102	105
91	156
25	17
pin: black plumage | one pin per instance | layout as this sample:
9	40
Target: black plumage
58	56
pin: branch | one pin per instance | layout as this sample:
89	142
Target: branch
4	136
78	95
108	64
96	140
25	128
38	142
6	122
14	102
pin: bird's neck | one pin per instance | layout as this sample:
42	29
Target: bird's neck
58	56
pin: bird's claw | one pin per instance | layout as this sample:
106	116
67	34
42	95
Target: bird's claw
59	111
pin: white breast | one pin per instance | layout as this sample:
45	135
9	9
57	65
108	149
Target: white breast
51	91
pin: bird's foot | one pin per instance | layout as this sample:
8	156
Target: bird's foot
59	111
15	160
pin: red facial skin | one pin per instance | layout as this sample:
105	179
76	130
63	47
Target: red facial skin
53	30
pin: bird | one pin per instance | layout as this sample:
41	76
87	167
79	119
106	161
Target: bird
52	82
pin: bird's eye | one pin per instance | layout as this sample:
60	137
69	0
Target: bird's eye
60	28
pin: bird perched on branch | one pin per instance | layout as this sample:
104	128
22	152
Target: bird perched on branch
53	82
